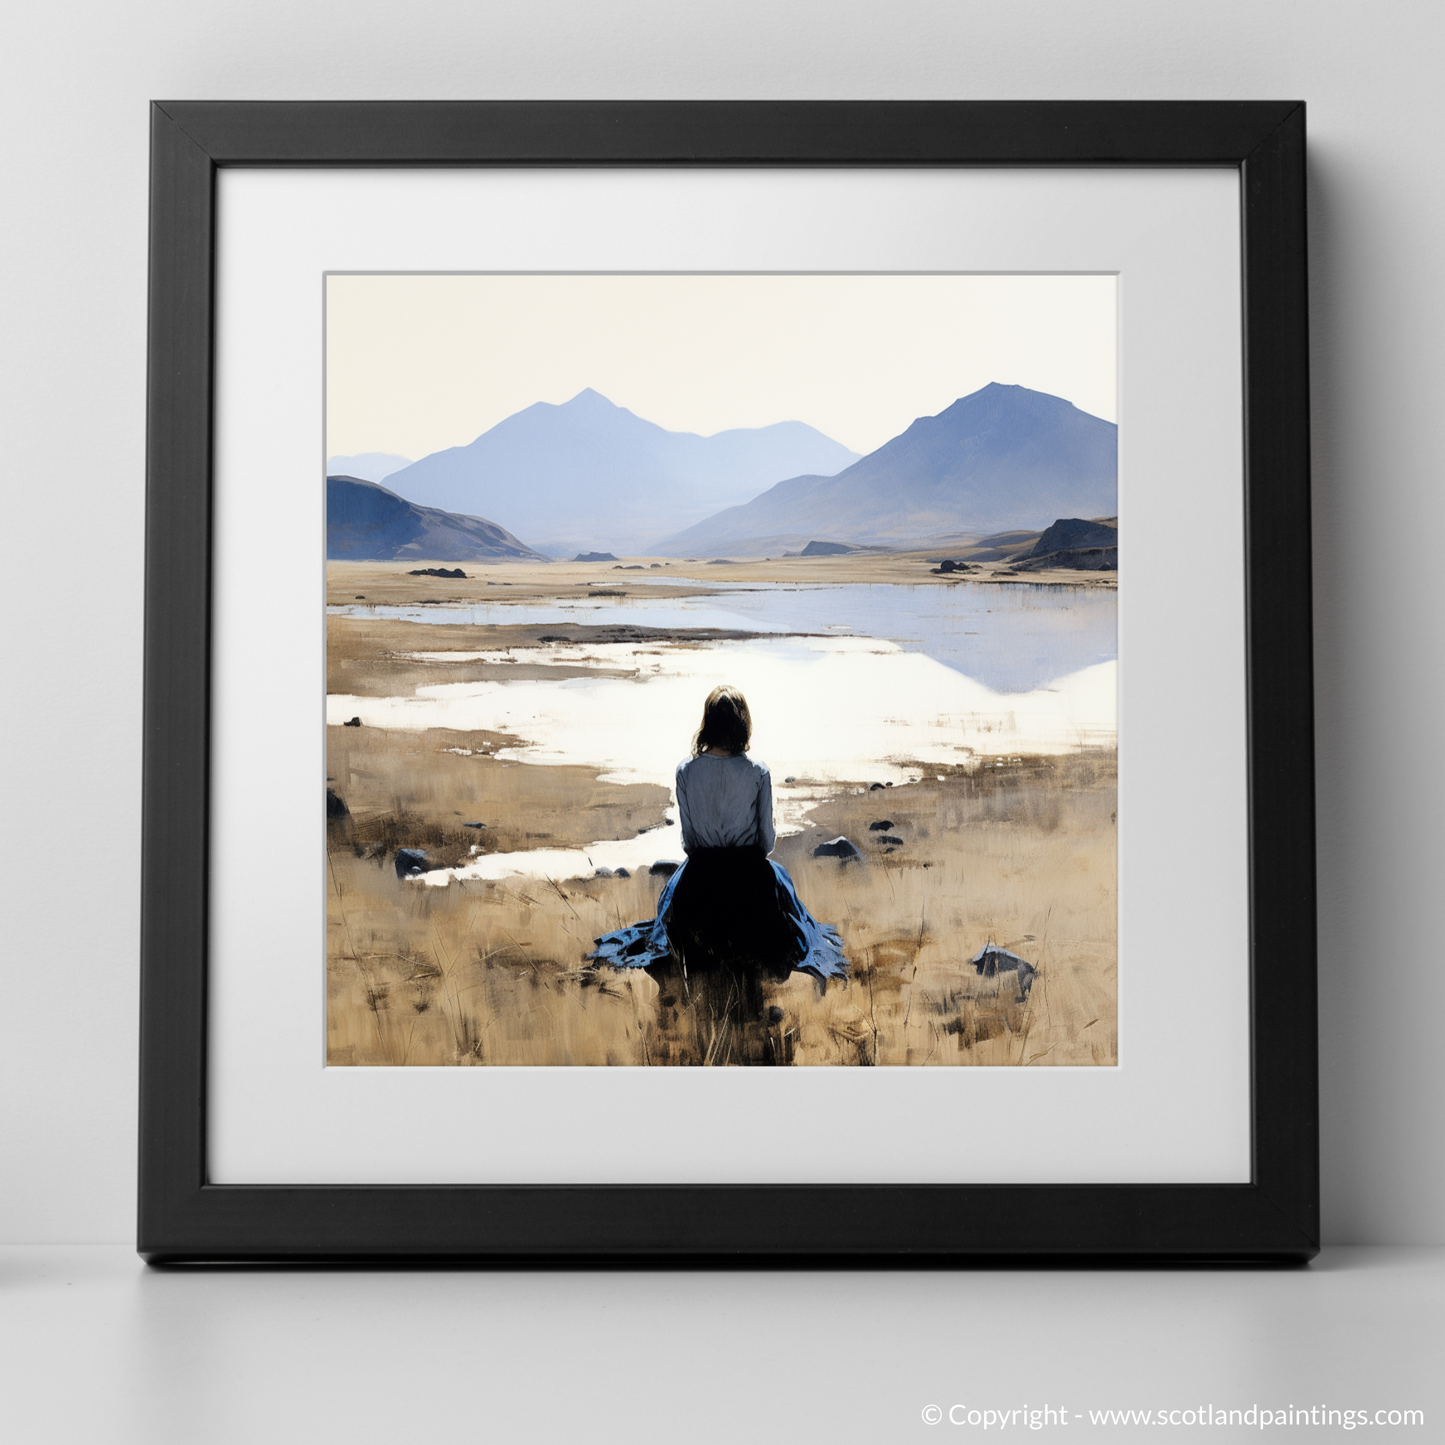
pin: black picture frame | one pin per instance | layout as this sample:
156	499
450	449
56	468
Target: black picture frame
184	1217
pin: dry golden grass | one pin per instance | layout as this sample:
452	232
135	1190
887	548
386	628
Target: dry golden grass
1022	853
410	788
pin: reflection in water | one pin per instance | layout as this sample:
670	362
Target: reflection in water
828	711
1012	637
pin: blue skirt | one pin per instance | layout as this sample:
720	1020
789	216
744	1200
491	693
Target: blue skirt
729	900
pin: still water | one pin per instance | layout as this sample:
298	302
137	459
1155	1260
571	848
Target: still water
1012	637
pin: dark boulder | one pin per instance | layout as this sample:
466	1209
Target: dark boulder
838	847
603	873
663	868
881	826
410	862
336	806
453	572
621	873
474	825
352	722
991	960
890	840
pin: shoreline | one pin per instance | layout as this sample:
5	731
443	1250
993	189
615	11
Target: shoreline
388	583
957	847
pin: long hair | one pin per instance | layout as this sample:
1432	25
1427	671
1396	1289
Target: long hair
726	722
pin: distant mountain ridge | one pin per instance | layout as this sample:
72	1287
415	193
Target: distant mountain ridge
367	466
591	476
366	522
1001	458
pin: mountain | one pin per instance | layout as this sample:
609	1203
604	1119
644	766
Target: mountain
367	466
367	523
590	476
1001	458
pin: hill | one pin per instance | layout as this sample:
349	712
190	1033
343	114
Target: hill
590	476
1003	458
366	522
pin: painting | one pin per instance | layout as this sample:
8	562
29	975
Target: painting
721	670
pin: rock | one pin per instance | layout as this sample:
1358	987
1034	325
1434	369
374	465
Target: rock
876	788
474	825
882	826
335	806
655	565
1077	533
354	722
838	847
603	873
991	960
663	868
361	596
621	873
410	862
594	557
889	839
553	637
790	780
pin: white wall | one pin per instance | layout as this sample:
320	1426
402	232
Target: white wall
77	78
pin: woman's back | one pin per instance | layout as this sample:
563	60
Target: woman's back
729	906
725	802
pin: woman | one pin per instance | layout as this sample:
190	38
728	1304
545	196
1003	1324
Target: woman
729	905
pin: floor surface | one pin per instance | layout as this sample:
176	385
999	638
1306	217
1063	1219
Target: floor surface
95	1347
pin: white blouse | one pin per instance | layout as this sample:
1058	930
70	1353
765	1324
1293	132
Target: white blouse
725	803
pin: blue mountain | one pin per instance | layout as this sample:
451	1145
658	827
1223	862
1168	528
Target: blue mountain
1001	458
367	523
590	476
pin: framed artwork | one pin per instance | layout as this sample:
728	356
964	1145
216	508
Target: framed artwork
764	816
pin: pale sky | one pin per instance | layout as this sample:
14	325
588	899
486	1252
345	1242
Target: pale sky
418	363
